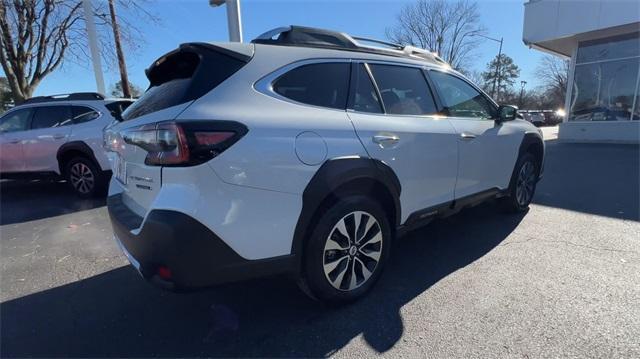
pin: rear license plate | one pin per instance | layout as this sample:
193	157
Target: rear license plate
120	169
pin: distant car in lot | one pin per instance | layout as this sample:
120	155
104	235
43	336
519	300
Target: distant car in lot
536	118
59	136
305	152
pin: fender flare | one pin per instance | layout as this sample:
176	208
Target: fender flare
78	146
333	174
529	139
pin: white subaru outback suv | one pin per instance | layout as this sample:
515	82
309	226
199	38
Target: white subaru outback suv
59	136
305	152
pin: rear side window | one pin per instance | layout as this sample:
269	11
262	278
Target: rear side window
17	120
83	114
365	98
180	77
325	84
404	90
51	116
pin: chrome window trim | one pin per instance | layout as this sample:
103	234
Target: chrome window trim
265	84
89	106
35	106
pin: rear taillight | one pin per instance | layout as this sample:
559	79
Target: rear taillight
184	143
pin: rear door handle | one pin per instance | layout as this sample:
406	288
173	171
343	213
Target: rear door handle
58	136
14	141
386	139
467	136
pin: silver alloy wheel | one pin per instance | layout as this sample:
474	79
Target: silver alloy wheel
526	183
82	178
352	251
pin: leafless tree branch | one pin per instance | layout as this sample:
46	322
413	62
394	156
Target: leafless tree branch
448	28
37	36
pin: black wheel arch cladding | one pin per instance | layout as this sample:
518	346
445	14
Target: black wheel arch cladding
533	143
75	146
335	174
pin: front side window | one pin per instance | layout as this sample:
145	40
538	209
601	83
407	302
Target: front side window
404	90
51	116
17	120
460	99
324	84
83	114
365	98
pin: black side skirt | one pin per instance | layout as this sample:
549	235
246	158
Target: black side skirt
424	216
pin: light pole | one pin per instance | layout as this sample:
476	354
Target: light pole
93	45
493	89
234	21
522	85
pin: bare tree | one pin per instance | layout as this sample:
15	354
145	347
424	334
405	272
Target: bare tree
37	36
448	28
553	72
476	77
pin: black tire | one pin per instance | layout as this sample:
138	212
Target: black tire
373	244
516	201
84	177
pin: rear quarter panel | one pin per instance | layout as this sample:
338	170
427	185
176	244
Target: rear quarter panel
266	157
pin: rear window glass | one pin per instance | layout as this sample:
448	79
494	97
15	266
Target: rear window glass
324	85
181	77
51	116
83	114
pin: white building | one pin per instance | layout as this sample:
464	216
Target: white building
602	40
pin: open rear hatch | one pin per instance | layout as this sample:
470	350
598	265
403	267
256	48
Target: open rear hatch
146	139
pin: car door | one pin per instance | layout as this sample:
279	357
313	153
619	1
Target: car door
13	132
50	128
487	148
406	133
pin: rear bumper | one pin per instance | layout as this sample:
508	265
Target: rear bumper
195	256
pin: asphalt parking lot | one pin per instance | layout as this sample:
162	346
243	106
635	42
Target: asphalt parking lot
560	280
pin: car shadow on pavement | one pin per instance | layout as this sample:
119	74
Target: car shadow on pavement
600	179
117	314
23	201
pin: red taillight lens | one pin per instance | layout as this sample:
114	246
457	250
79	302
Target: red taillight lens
164	273
184	143
212	138
171	146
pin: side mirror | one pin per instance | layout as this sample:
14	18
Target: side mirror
507	113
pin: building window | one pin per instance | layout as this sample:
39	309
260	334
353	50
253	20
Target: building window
605	81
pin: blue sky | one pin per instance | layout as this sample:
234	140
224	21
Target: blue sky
193	20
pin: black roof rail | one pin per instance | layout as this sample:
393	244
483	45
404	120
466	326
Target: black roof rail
321	38
79	96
